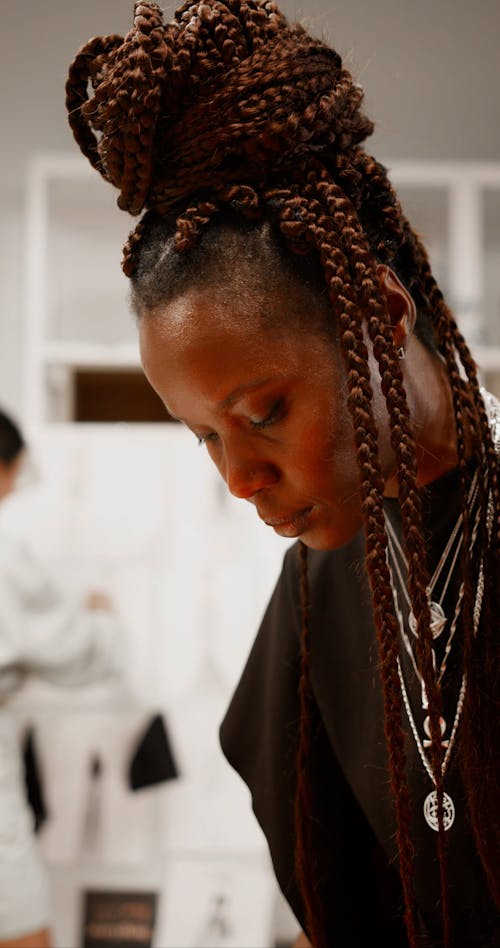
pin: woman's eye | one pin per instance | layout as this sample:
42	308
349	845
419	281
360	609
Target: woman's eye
275	414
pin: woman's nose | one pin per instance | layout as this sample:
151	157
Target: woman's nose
245	478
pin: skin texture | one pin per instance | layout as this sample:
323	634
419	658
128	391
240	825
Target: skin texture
8	475
271	406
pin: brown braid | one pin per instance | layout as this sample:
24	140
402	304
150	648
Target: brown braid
359	400
305	867
404	447
126	121
477	722
84	67
355	354
481	714
228	108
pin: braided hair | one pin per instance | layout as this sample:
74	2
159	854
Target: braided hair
229	119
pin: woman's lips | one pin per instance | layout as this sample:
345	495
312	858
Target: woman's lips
291	525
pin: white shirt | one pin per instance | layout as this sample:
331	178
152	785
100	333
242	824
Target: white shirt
46	630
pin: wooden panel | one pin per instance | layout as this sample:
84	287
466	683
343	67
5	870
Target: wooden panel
116	395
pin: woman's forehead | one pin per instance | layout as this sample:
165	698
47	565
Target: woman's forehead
198	341
278	308
202	322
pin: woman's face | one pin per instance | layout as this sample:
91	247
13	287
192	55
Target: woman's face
269	406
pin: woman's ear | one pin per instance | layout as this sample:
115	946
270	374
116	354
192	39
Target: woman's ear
400	304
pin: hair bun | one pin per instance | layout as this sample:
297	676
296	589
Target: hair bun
228	91
126	75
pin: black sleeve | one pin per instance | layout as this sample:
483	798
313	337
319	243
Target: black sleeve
259	736
258	733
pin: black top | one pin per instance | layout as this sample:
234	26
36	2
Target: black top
356	822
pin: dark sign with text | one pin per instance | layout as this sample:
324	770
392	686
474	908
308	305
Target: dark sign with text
116	918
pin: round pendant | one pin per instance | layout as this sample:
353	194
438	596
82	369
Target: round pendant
431	811
437	623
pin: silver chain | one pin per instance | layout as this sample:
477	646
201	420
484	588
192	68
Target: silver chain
493	411
392	541
458	713
475	625
440	566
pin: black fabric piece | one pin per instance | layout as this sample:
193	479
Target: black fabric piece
33	779
153	759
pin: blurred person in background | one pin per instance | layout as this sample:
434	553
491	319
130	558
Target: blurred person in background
48	632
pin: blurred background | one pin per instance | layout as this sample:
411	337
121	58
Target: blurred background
125	499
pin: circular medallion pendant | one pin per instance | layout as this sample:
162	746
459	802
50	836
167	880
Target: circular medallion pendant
431	811
437	623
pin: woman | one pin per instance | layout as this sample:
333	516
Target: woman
289	316
52	635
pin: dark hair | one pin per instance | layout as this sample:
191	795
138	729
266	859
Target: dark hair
230	113
11	439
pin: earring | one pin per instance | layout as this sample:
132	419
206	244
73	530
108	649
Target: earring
401	352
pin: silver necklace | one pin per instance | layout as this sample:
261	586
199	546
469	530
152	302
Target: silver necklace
431	801
393	543
438	618
430	807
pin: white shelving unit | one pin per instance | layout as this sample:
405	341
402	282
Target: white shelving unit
449	203
76	307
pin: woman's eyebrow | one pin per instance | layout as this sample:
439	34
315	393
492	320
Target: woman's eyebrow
242	390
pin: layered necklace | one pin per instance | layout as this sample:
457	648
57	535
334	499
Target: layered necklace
436	591
440	624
